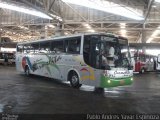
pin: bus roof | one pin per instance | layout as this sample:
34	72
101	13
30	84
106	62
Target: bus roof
69	36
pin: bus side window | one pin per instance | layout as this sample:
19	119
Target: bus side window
57	46
34	48
26	48
74	45
45	47
31	49
20	48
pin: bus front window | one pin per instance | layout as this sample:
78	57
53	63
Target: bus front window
98	51
123	55
105	52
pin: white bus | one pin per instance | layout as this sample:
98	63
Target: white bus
80	59
158	63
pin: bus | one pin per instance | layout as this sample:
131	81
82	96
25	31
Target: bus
7	58
158	63
143	62
78	59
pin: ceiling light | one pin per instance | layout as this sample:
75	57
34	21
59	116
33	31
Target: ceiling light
149	40
87	26
17	8
153	51
56	17
122	25
154	34
22	27
109	7
123	32
154	6
46	27
91	30
66	33
51	26
157	1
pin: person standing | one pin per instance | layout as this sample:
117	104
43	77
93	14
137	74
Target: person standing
111	55
5	59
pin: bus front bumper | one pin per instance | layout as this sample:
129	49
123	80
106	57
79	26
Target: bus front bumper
107	82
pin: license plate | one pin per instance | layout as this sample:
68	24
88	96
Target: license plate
122	82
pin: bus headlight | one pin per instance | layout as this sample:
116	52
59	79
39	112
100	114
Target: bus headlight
109	81
131	79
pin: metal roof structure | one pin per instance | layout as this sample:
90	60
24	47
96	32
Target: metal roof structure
73	18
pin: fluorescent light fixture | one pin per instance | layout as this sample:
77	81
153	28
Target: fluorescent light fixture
91	30
8	49
87	26
66	33
153	51
46	27
56	17
157	1
23	27
154	6
122	25
109	7
14	7
123	30
149	40
51	26
154	34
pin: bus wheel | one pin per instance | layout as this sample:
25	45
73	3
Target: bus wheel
27	72
142	70
74	80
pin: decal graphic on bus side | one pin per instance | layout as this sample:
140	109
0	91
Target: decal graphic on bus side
90	76
39	64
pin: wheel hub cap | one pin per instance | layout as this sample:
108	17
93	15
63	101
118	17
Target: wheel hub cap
74	79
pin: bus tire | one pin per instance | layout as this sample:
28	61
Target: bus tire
27	71
142	71
74	79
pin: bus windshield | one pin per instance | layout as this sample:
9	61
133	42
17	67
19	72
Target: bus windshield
106	52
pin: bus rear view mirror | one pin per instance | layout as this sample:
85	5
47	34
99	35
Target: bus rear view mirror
158	59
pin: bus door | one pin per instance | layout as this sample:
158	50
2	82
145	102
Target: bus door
91	56
150	63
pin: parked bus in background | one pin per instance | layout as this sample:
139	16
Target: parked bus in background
143	62
7	58
158	63
92	59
